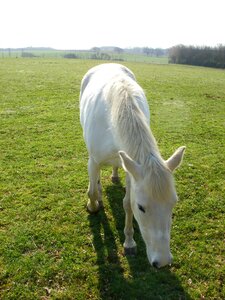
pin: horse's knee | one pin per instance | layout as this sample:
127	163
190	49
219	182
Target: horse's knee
126	204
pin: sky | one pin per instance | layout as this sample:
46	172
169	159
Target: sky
83	24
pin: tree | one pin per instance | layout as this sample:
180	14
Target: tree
147	50
118	50
198	56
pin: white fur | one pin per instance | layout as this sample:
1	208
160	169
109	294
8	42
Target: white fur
115	118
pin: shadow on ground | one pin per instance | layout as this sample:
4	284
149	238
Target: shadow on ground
142	281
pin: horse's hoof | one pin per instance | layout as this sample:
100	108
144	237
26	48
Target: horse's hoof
115	179
93	209
130	251
101	206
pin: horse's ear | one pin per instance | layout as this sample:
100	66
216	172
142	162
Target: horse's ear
130	165
176	159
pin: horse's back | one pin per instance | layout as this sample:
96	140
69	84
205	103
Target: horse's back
95	111
101	74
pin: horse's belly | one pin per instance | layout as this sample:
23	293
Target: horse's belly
101	146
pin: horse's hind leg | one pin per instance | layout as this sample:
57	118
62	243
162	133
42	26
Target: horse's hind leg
115	176
94	189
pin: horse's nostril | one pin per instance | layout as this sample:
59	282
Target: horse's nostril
155	264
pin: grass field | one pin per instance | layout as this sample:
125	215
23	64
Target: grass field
50	247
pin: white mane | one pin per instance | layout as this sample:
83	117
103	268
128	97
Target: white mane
133	132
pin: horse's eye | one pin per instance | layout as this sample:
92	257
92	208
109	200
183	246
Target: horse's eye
141	208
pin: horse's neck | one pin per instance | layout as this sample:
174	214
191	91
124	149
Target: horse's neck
141	143
135	136
130	124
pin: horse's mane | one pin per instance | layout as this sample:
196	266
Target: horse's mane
132	130
130	125
159	177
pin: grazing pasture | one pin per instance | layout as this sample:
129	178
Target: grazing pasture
50	247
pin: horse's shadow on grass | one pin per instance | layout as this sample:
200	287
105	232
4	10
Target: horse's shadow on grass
142	281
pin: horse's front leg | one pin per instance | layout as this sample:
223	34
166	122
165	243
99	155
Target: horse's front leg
94	189
129	244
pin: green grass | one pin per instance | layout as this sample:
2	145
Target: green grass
50	247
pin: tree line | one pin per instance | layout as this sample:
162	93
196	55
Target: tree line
103	53
198	56
158	52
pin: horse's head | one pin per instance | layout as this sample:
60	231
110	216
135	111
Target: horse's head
153	196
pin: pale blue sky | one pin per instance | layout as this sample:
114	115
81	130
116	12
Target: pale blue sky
72	24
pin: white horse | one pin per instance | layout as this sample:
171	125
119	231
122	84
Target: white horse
115	118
